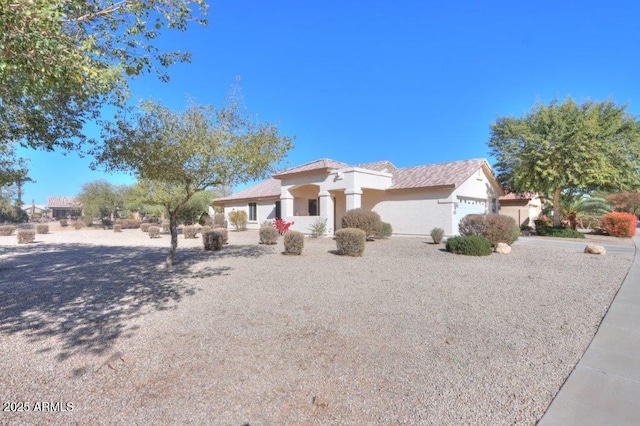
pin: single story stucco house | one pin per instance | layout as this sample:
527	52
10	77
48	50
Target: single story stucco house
62	207
523	207
414	200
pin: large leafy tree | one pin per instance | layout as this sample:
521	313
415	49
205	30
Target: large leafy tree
61	61
567	147
626	201
101	199
178	154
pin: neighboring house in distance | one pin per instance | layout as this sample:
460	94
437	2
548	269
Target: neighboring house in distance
36	210
62	207
414	200
524	207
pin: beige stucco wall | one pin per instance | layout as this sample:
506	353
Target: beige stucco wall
266	210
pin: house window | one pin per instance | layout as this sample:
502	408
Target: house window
253	211
313	207
494	205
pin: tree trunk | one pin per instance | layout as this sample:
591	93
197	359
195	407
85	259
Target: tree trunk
173	228
557	218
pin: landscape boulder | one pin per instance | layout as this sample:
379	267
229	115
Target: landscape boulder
592	249
503	248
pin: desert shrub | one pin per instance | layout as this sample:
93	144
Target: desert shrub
543	221
88	221
367	220
130	224
351	241
496	228
64	222
165	227
472	224
219	221
205	228
437	234
591	222
107	223
190	232
6	230
386	231
144	227
26	236
318	227
117	228
559	232
293	242
224	233
619	224
238	219
154	231
469	245
268	235
215	239
205	220
78	224
41	228
501	229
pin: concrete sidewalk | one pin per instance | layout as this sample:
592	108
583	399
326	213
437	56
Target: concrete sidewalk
604	387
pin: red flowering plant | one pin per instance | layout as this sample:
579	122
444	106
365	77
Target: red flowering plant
620	224
281	225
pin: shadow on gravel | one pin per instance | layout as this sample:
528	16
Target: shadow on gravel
84	294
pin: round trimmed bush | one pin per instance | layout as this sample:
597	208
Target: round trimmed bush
470	245
117	227
224	233
367	220
437	234
268	235
144	227
26	236
190	232
41	228
351	241
293	242
6	230
215	239
497	228
386	231
154	231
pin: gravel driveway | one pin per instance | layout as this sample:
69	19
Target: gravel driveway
406	334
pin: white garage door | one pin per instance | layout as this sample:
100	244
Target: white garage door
468	206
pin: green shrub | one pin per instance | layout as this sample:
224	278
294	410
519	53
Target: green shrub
144	227
560	232
107	223
64	222
238	219
268	235
543	222
223	232
117	228
496	228
351	241
437	234
190	232
154	231
6	230
319	227
293	242
469	245
41	228
367	220
26	236
88	221
214	240
619	224
386	231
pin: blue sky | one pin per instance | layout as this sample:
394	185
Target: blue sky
413	82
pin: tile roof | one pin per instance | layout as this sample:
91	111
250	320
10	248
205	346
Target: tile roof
443	174
325	163
62	202
266	189
518	196
378	166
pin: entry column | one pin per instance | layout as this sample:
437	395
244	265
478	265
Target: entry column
354	198
326	210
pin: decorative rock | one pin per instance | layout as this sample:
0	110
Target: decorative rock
591	249
503	248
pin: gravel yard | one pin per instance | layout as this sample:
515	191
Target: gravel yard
405	334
